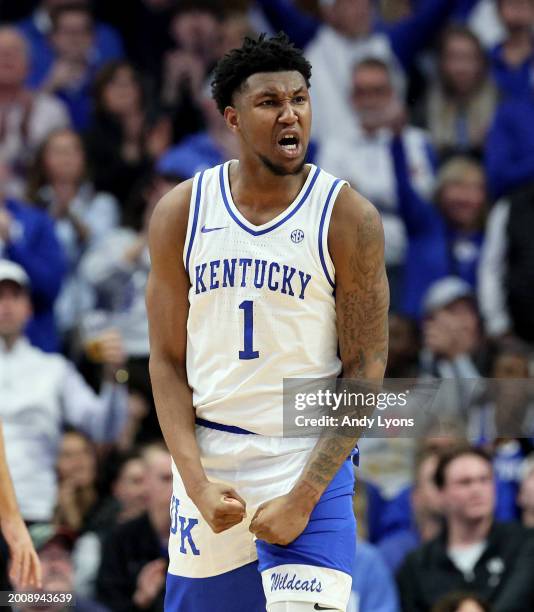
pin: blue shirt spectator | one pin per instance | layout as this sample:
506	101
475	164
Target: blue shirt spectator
512	81
512	59
373	586
74	68
193	154
32	243
36	28
509	152
444	239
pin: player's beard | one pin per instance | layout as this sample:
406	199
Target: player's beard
280	170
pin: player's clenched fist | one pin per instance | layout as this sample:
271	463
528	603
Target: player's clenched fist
280	520
220	506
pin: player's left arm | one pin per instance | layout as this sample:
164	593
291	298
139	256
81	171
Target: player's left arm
356	245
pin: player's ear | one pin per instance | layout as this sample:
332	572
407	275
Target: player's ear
231	118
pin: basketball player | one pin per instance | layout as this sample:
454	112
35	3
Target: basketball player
245	260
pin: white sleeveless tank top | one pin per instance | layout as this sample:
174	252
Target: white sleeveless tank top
262	304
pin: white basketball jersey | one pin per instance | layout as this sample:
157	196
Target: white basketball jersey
262	304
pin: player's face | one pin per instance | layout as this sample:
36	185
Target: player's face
468	493
272	119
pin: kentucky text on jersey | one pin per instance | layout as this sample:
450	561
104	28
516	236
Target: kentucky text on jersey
246	272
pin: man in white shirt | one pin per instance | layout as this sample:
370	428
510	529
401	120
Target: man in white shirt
26	117
365	159
39	393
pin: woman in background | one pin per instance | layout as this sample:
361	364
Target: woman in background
125	135
461	102
59	183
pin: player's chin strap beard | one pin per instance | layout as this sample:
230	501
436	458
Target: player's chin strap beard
280	170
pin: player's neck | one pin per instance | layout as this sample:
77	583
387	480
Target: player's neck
252	183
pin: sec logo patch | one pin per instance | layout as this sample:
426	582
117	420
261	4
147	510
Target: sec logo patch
297	236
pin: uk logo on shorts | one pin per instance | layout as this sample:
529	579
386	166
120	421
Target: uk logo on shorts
297	236
185	526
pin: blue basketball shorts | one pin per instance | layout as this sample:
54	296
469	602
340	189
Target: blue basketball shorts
233	571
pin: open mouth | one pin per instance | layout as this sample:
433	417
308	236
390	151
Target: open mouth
289	144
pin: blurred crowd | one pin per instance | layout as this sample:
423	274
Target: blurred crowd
427	108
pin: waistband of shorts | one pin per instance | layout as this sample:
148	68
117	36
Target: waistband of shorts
221	427
354	455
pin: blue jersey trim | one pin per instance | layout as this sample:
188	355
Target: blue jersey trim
321	229
276	225
220	427
195	221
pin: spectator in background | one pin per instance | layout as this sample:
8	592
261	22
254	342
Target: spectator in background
506	275
77	499
526	498
134	556
71	74
403	348
117	270
145	33
474	553
502	421
444	239
461	102
25	117
373	585
59	183
40	394
452	339
453	348
106	45
55	553
234	26
461	602
28	238
210	147
128	496
195	32
504	413
365	160
509	150
511	60
350	33
127	501
125	135
427	515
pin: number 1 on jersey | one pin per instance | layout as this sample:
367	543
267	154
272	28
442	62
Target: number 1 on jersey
248	352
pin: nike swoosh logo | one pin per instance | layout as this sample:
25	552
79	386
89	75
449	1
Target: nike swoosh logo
318	607
206	230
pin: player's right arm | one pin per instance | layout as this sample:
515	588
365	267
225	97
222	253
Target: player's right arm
25	568
168	308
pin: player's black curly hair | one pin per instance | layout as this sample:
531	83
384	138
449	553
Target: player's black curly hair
263	54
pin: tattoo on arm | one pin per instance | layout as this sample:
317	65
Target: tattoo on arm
363	305
362	309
